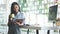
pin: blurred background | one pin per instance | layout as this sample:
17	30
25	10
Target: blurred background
35	11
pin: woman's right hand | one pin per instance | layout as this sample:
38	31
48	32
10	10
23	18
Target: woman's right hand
18	23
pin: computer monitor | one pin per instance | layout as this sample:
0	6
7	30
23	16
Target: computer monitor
52	12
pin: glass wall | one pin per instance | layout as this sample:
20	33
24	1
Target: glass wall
36	11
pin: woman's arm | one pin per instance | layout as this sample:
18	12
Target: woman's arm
10	22
20	19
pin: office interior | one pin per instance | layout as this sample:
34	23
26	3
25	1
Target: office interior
37	12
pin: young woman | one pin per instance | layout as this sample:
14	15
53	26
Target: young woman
17	21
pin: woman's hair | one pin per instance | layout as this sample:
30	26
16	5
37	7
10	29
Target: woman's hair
12	7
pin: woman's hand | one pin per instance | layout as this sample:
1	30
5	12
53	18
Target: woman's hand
18	23
19	20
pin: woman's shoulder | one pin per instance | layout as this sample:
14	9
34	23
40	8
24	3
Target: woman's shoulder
20	12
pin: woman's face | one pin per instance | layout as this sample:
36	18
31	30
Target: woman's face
16	8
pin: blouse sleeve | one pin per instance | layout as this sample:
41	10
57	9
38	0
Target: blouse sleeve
21	16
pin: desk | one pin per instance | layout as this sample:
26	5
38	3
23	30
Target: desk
31	27
39	28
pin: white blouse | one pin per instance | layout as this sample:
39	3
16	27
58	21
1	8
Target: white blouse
19	15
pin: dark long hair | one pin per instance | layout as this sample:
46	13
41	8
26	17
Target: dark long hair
12	7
